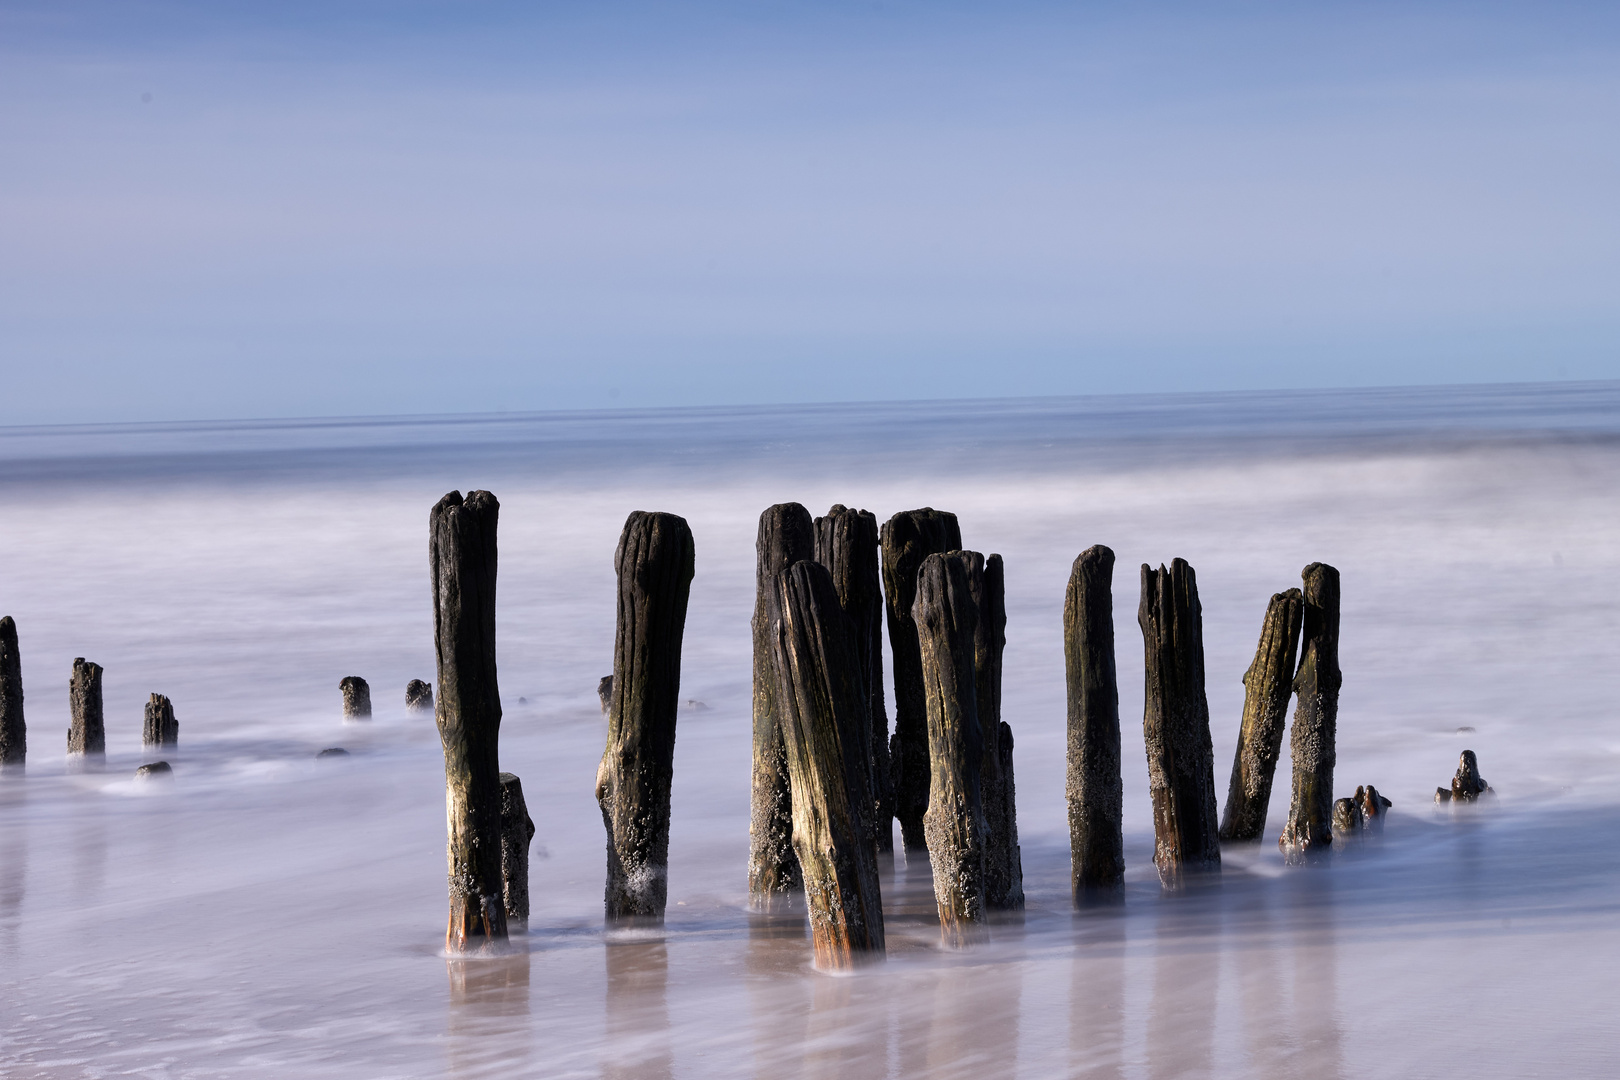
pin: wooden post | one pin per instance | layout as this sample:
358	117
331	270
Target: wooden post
786	536
517	829
654	561
1467	785
418	696
1309	828
1175	725
604	693
1373	807
1003	870
87	732
822	703
1093	784
907	539
954	823
1013	898
847	545
13	730
160	727
462	558
1267	686
356	698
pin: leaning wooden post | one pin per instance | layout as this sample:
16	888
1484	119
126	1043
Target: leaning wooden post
954	823
1267	686
87	731
785	536
1003	871
654	561
908	538
1175	725
13	730
1093	783
1309	828
356	698
462	558
822	701
517	829
847	545
159	727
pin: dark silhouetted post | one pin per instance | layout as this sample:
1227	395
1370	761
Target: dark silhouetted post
1003	869
1175	725
87	732
654	561
418	696
786	536
847	545
517	829
1309	828
954	823
160	728
1094	786
822	702
13	730
462	559
1267	686
907	539
356	698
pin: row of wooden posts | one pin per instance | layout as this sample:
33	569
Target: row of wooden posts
828	780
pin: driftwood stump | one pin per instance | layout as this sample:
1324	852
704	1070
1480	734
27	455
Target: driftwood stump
907	539
160	728
517	829
1373	807
847	545
1094	785
954	823
87	730
786	536
1175	725
418	696
1309	828
1467	785
13	730
654	561
822	702
356	698
1267	686
1003	869
463	562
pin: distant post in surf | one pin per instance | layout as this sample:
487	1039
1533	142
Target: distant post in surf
159	727
462	560
654	561
1309	828
1094	784
1267	686
87	730
13	730
1175	725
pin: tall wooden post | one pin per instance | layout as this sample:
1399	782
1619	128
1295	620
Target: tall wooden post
654	561
1093	784
1003	870
908	538
1267	686
13	730
847	545
87	731
823	703
954	823
517	830
785	537
1309	828
462	561
159	726
1175	724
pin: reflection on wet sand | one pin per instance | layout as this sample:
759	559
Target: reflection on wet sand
13	884
1186	971
638	1034
1097	995
489	1001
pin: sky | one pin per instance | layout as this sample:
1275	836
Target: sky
308	209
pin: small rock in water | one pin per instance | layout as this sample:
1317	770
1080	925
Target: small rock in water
604	692
523	701
692	703
418	696
1465	730
1467	785
156	770
333	751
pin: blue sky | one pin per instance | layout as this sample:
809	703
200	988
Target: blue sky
230	210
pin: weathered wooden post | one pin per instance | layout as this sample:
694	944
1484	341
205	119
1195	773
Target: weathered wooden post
87	731
786	536
907	539
847	545
1013	898
954	823
604	693
463	561
1267	686
160	728
822	703
654	561
1309	828
1467	785
1175	724
517	829
13	730
1003	869
1373	808
356	698
1094	784
418	696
